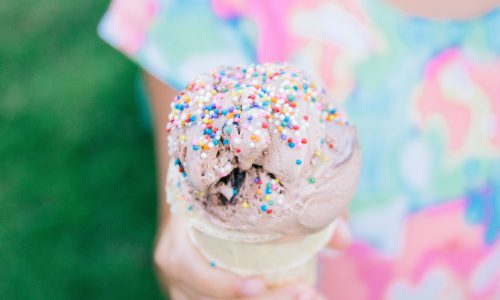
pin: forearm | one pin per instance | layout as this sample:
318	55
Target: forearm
160	96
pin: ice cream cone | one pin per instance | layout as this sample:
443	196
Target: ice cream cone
278	260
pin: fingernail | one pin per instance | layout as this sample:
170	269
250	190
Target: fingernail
252	287
343	229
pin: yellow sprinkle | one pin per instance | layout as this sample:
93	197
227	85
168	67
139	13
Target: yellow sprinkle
183	138
267	197
245	204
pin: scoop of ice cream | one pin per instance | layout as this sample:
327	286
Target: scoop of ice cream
260	149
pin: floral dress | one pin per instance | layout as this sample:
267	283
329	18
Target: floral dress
424	95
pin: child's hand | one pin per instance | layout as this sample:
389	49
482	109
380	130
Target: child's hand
187	275
341	237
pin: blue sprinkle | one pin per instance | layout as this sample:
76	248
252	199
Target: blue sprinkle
225	142
224	112
196	147
235	191
268	191
291	145
298	162
193	118
216	142
213	264
263	207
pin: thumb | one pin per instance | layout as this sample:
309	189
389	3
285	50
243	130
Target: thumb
341	237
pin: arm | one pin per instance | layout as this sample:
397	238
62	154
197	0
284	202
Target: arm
160	96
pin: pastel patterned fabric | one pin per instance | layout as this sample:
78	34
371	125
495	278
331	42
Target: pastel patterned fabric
425	96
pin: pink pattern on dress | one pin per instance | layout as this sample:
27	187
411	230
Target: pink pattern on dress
274	42
434	102
436	239
459	115
129	21
487	75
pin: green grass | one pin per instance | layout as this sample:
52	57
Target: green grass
77	185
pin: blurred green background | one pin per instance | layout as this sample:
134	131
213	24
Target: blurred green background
77	181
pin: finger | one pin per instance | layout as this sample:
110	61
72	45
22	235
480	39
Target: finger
341	237
218	283
346	214
290	292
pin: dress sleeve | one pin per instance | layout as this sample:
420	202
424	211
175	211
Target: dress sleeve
177	39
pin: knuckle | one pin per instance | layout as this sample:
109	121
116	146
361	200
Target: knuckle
158	258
